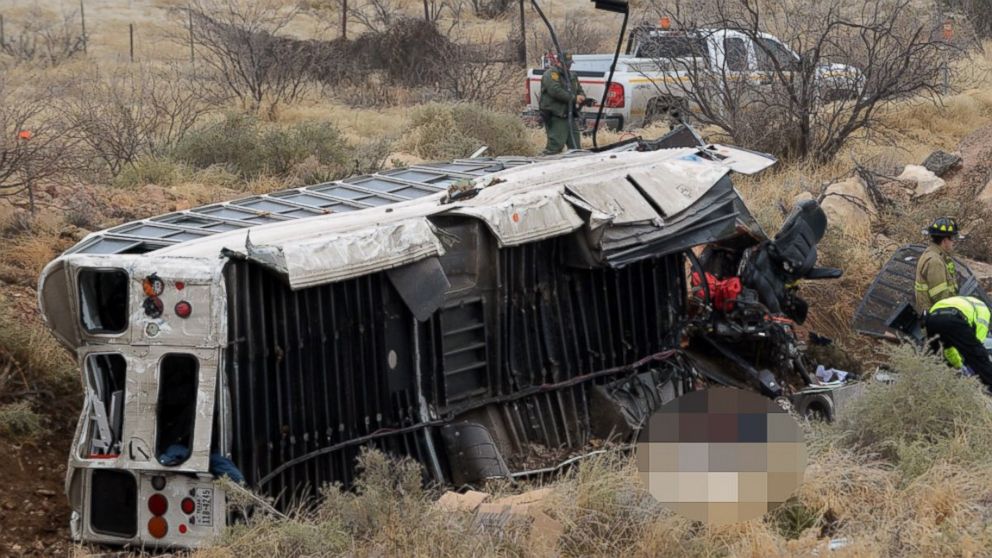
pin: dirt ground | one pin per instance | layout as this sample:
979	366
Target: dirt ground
34	514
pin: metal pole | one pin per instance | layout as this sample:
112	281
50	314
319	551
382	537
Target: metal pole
130	32
344	19
82	23
2	42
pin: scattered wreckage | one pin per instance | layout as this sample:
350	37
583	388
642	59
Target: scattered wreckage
487	317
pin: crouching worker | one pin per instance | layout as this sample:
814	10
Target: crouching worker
960	325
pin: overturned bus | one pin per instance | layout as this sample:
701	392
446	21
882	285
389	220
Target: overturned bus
487	317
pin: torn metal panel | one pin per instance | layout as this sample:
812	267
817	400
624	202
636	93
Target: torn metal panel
616	202
525	217
325	258
893	286
718	214
739	160
421	285
675	185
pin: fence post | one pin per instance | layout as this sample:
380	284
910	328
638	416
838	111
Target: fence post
344	19
82	23
2	42
192	52
522	48
130	32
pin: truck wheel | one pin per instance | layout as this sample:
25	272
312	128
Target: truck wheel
662	110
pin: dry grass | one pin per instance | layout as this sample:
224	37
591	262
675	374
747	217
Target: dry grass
19	422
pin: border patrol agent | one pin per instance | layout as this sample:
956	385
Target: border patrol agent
556	103
936	276
961	324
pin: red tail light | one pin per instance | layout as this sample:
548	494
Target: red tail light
614	96
188	506
527	91
157	504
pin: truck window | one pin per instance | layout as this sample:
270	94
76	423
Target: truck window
103	295
672	46
771	52
735	54
176	408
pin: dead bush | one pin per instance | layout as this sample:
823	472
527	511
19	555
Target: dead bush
44	39
133	112
802	107
239	41
576	34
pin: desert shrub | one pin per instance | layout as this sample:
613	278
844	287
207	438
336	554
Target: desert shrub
928	415
444	131
150	170
246	147
33	350
19	421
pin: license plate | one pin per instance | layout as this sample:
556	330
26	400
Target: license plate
204	506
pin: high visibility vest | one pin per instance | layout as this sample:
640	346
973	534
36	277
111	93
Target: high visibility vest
973	310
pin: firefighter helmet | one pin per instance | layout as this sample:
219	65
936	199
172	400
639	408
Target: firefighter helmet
943	227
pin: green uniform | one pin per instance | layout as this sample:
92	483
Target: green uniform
555	105
936	277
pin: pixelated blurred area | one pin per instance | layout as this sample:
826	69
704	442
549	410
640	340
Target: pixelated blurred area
721	455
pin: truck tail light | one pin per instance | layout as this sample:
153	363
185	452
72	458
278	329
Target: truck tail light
614	96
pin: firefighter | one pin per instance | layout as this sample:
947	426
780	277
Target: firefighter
936	277
556	103
960	325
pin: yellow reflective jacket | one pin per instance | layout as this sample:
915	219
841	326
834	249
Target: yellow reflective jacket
973	310
936	277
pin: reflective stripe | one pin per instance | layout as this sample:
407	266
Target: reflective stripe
921	287
938	289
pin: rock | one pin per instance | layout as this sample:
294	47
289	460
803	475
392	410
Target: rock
801	197
45	492
939	162
926	181
884	243
986	194
847	205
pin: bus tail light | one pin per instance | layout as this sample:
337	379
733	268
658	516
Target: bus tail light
158	527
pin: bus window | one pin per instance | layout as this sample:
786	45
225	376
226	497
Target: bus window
105	375
176	408
103	295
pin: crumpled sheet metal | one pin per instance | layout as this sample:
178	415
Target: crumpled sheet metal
326	258
526	217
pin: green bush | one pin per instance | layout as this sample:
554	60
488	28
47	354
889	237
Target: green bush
448	131
150	170
248	148
929	414
19	421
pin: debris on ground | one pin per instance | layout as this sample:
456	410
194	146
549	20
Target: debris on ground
496	516
940	162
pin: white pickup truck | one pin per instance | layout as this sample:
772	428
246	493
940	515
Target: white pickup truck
641	90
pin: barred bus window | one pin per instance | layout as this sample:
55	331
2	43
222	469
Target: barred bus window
103	295
176	409
105	376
